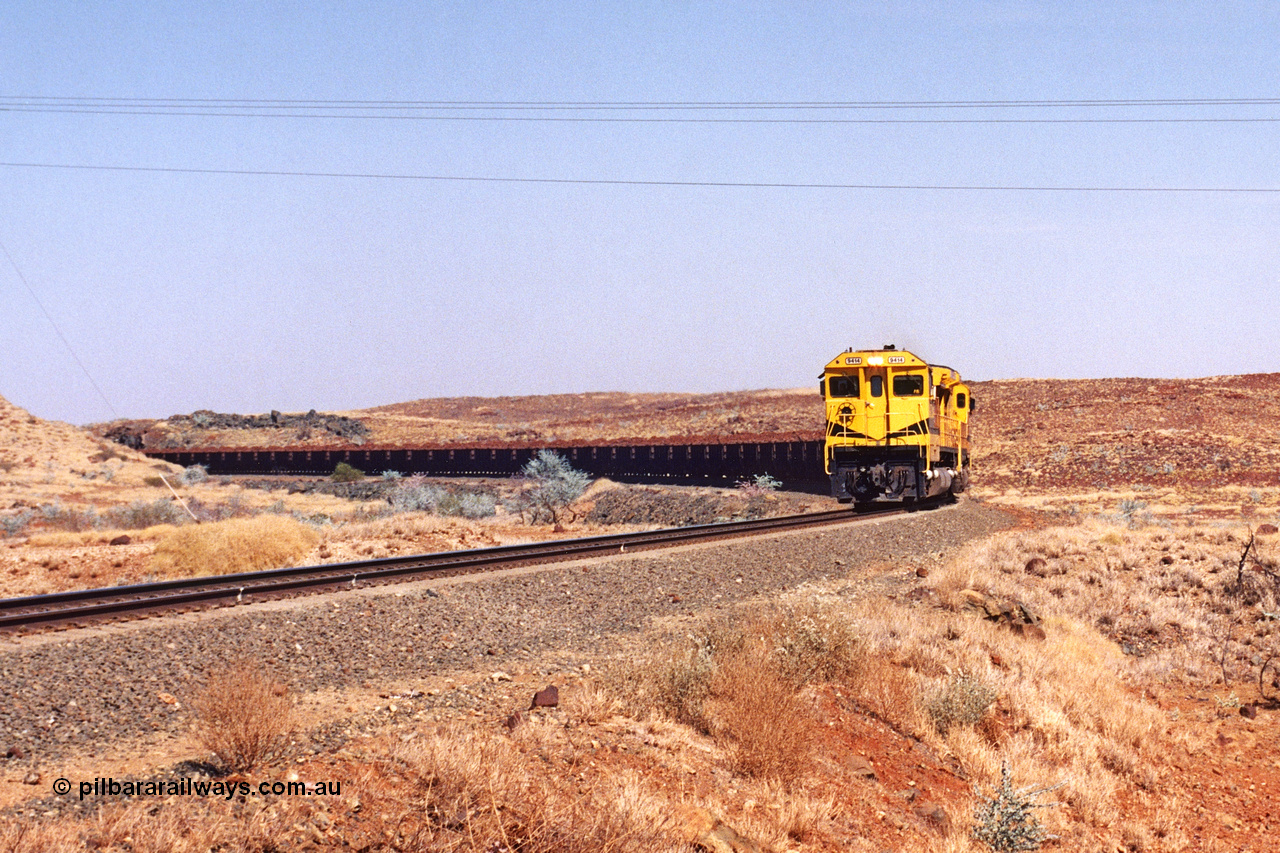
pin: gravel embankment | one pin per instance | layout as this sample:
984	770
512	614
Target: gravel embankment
80	691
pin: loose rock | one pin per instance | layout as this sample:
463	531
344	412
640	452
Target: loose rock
547	697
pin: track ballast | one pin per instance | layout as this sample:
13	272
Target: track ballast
77	608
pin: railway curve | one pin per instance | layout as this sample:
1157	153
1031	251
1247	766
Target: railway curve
79	607
790	461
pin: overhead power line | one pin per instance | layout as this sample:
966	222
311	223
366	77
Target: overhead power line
656	120
387	176
49	317
407	104
682	112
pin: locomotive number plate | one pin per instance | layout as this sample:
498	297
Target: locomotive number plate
897	359
853	360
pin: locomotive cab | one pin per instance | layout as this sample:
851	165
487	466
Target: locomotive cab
897	427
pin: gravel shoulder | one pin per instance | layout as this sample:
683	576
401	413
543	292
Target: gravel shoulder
108	694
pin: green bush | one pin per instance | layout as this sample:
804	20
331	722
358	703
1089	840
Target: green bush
344	473
193	475
415	494
551	485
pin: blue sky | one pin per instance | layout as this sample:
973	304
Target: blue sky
237	290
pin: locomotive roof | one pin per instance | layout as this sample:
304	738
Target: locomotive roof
885	357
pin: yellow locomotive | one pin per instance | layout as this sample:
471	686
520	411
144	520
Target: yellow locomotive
897	427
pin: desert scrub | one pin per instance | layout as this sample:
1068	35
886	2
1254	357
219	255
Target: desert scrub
193	475
962	701
798	645
235	545
812	644
415	494
741	681
758	486
479	791
1006	821
344	473
677	685
757	713
243	717
12	524
138	515
549	484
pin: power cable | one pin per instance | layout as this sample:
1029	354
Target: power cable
66	343
632	105
644	120
502	111
641	183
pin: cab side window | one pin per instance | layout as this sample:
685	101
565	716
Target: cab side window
843	386
960	401
908	385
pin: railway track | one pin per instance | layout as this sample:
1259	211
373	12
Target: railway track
83	607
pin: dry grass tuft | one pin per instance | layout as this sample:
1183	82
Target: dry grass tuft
891	693
479	791
187	828
244	718
756	709
742	681
591	704
72	539
235	545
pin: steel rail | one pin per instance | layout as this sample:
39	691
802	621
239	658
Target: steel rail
76	607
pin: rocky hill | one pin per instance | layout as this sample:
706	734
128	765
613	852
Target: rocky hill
48	461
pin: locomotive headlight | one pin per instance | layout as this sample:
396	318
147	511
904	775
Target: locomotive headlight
875	359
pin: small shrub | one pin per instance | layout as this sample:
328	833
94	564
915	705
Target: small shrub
233	507
391	475
551	485
1133	512
962	702
244	718
682	684
193	475
591	704
1005	820
813	644
448	503
15	523
887	691
56	516
415	494
481	791
761	484
139	514
477	505
155	482
344	473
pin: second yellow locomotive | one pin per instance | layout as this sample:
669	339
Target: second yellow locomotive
897	427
